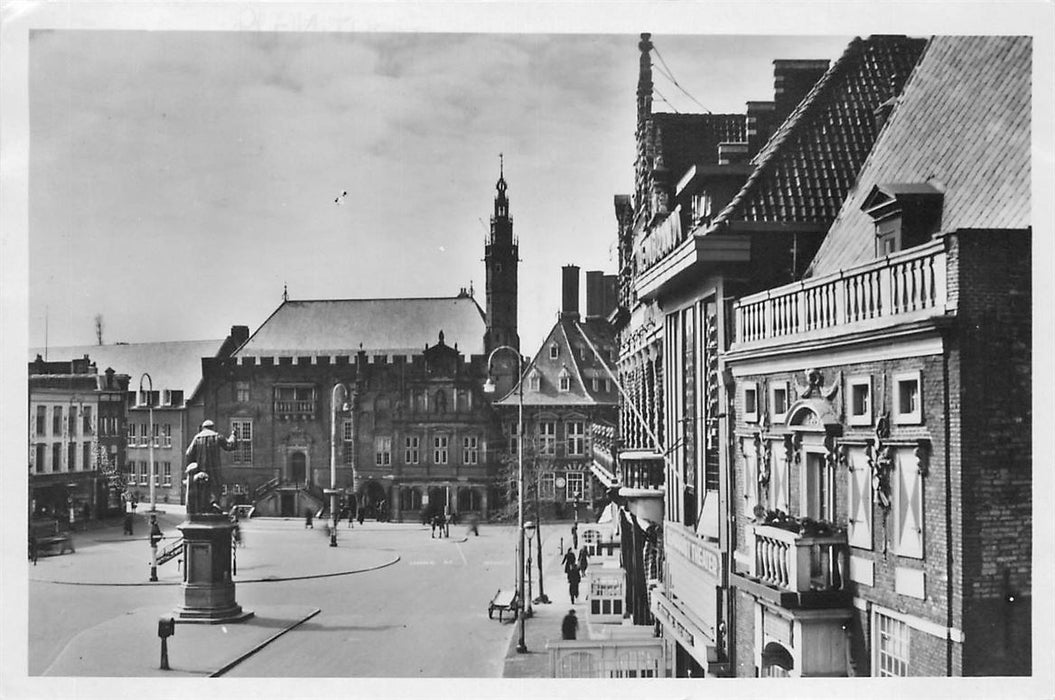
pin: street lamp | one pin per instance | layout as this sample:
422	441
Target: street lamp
333	458
150	436
575	525
489	388
529	530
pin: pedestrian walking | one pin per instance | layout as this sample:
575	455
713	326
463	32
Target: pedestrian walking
569	628
308	516
584	562
569	561
573	583
155	531
474	526
129	506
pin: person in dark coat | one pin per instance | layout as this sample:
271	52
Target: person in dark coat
573	583
584	562
308	515
570	626
569	560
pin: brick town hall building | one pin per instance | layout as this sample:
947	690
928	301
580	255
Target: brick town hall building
394	386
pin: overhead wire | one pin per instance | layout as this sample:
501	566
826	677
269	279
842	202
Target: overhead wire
669	75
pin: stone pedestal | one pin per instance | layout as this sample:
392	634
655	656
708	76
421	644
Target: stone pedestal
208	591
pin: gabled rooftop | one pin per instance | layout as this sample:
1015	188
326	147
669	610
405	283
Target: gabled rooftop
962	127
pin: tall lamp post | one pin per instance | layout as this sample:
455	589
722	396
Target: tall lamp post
333	457
150	436
529	530
489	388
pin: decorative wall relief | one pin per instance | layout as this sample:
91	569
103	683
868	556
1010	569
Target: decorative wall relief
762	452
814	386
881	462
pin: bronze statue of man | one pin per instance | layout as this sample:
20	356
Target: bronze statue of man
204	482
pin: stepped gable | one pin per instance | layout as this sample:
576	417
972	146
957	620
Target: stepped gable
962	125
378	326
809	164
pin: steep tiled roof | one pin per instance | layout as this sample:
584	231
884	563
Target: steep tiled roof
575	357
963	124
682	140
809	164
172	365
379	326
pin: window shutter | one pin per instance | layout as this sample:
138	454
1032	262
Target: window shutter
750	482
778	481
909	507
860	492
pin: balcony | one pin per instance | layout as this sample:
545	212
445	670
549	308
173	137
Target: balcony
798	569
898	288
304	410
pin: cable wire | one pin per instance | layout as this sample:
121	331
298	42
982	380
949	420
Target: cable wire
670	75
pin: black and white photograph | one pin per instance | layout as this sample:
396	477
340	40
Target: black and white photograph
525	349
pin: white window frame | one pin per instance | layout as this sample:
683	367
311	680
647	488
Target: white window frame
822	510
750	416
852	383
470	449
575	434
564	381
579	478
547	439
546	485
859	498
908	484
167	435
915	416
535	380
899	636
554	351
241	391
166	468
440	445
383	450
243	431
774	415
411	449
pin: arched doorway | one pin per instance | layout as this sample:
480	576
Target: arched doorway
373	500
298	467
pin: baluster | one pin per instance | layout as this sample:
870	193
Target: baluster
784	573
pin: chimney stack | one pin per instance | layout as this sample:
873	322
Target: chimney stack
761	122
792	81
570	292
594	294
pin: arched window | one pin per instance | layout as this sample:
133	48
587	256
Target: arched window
564	379
535	380
776	661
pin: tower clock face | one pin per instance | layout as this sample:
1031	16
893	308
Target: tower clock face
559	482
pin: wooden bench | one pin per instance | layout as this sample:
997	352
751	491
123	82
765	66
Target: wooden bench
503	601
45	537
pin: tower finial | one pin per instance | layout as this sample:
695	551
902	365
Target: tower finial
285	292
501	165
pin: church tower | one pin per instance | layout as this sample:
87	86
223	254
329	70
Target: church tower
501	259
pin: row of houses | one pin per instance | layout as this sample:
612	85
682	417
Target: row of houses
824	338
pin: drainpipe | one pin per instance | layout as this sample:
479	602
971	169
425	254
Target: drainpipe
948	513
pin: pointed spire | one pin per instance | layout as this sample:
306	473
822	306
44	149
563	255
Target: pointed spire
501	203
285	292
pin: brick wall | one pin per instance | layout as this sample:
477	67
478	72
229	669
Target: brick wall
744	643
994	338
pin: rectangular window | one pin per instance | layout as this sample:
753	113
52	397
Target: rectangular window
348	445
607	385
751	402
56	457
819	488
545	486
778	401
554	351
144	441
41	457
547	437
535	382
86	421
439	449
157	435
908	391
514	427
86	456
71	422
295	400
71	456
410	449
243	432
891	646
470	449
860	398
241	392
576	438
144	475
166	468
383	450
166	437
42	419
56	420
575	485
565	382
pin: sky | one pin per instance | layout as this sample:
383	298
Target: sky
178	181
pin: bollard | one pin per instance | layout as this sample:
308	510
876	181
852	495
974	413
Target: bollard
166	628
561	550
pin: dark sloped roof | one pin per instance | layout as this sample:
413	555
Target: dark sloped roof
172	365
809	164
682	140
379	326
567	334
963	125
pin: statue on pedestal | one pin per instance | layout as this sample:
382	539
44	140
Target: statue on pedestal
204	481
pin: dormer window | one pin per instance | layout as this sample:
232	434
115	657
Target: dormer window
535	380
905	214
554	351
564	379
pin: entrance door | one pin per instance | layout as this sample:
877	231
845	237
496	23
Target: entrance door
287	503
298	467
